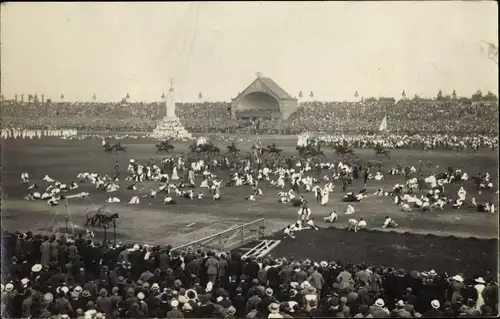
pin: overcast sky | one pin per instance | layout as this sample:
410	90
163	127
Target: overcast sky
333	49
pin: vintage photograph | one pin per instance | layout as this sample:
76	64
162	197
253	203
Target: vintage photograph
249	159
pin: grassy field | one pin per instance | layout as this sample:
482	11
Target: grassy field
152	222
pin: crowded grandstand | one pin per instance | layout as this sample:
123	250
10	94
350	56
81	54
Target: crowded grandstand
459	116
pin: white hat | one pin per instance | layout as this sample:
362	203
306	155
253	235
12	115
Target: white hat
432	272
220	298
183	299
305	284
174	303
155	286
24	282
64	316
458	278
435	304
78	289
140	296
36	268
9	287
136	247
400	303
379	302
323	264
480	280
209	286
294	284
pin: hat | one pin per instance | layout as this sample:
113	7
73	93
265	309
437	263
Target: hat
231	310
155	286
9	287
140	296
48	297
174	303
24	282
64	316
209	286
86	294
145	285
400	303
183	299
435	304
305	284
78	289
269	292
379	302
294	284
458	278
126	265
415	274
36	268
480	280
432	272
274	307
187	306
323	264
74	295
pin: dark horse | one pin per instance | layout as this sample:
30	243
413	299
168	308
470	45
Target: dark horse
205	148
309	151
164	146
117	147
232	148
340	149
379	150
272	149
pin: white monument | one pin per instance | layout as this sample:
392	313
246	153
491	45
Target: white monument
170	127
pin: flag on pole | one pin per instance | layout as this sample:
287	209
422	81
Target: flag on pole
383	125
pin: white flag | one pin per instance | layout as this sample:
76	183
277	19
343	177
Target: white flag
383	125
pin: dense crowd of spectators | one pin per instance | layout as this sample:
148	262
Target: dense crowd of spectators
65	277
404	117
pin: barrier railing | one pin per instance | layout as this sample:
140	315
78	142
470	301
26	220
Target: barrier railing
230	238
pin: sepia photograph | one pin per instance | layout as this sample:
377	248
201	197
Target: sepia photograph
253	159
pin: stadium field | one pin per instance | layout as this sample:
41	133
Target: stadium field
437	238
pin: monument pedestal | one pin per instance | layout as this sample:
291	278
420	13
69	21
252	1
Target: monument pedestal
171	128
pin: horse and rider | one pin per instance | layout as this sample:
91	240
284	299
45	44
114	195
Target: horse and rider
112	148
164	146
204	148
379	150
232	149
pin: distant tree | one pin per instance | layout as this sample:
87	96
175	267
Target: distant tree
477	96
49	101
200	96
300	94
440	95
1	97
454	95
490	97
62	97
403	94
127	97
15	98
356	94
416	97
94	97
22	98
163	96
311	95
124	100
30	97
447	97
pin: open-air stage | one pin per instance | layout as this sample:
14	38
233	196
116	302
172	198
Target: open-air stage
440	240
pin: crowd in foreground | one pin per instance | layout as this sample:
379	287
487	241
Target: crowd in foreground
74	277
458	117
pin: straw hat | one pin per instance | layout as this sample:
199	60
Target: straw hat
274	308
480	280
379	302
435	304
36	268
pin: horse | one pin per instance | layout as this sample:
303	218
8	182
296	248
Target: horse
117	147
232	149
164	146
309	151
339	149
380	151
